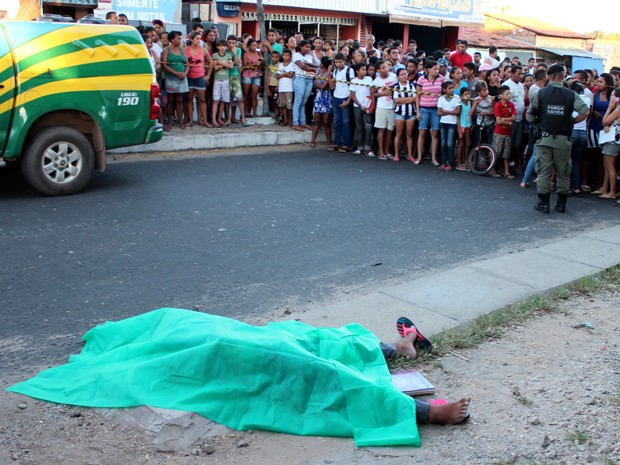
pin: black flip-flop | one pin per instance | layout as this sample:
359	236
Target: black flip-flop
405	326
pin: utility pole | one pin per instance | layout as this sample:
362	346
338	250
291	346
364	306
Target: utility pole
262	31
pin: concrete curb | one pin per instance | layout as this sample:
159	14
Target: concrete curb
450	298
264	132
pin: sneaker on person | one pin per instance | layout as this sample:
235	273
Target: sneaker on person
370	154
357	152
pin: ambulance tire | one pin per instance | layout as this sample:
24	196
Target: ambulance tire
58	161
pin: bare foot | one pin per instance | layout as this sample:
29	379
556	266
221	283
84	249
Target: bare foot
406	346
449	414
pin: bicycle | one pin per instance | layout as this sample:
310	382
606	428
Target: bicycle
482	157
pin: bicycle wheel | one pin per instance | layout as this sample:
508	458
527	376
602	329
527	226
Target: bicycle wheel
481	159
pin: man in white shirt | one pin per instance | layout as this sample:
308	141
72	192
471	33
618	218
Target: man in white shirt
582	77
517	97
150	31
370	46
492	58
540	77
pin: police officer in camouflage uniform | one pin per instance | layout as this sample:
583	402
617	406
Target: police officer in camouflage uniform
551	109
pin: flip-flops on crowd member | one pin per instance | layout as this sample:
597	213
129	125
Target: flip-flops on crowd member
405	326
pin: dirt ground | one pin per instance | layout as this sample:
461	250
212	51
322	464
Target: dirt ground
545	393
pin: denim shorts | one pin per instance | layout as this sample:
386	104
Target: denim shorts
196	83
255	81
430	119
398	117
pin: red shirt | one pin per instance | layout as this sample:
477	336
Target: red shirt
456	59
504	110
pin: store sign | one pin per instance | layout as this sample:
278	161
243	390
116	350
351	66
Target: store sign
141	10
453	10
228	9
86	3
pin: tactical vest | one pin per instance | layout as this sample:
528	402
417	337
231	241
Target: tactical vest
555	106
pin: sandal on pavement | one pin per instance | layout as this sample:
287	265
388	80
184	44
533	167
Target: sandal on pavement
405	326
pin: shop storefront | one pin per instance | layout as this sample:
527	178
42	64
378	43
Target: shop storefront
336	20
434	24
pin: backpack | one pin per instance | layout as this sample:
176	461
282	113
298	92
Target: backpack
347	74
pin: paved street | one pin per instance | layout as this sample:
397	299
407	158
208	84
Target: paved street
243	235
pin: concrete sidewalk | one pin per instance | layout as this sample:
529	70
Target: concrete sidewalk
263	132
445	299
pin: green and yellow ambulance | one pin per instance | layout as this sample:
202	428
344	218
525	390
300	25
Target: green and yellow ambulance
68	93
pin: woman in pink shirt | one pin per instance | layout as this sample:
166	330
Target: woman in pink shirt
250	77
428	93
198	59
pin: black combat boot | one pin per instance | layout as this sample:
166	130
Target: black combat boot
560	206
543	203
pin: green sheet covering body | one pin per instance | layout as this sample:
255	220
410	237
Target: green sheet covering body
285	376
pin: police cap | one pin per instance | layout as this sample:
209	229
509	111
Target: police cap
555	69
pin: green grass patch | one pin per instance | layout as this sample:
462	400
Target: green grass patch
577	436
525	401
511	461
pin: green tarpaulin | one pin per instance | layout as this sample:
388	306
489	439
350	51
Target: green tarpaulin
286	376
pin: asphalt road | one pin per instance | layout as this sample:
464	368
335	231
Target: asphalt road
243	235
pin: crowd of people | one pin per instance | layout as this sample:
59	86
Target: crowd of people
388	100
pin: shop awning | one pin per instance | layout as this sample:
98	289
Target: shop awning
571	52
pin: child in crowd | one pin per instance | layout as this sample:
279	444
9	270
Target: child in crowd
329	49
273	84
285	75
505	114
384	114
222	62
449	110
464	128
342	76
236	92
371	71
404	114
482	107
362	110
251	77
323	103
